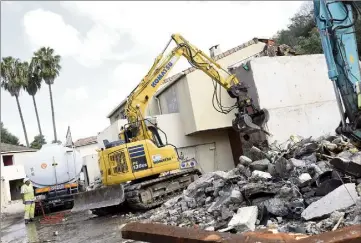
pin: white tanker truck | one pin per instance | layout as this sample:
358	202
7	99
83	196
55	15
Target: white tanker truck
55	172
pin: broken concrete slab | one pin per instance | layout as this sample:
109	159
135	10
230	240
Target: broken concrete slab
236	196
204	181
341	198
261	174
244	160
327	186
351	166
283	167
261	165
276	206
171	202
297	163
244	219
303	178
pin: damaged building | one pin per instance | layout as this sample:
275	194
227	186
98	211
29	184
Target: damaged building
276	81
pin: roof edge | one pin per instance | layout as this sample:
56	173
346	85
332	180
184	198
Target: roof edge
16	152
94	142
117	107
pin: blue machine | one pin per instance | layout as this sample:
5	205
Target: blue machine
335	21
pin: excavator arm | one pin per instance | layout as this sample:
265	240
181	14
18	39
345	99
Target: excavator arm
336	24
248	118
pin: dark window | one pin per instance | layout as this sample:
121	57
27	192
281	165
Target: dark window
8	160
169	101
122	114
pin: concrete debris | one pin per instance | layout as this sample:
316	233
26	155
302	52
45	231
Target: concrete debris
261	174
304	177
244	160
290	187
261	165
343	197
244	219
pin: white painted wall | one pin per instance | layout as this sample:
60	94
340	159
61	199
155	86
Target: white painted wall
111	132
20	158
3	196
87	149
201	91
297	93
14	172
91	161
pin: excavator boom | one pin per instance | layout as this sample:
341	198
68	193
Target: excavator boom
248	118
336	24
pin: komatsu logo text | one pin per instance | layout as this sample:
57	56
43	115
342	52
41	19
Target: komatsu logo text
161	75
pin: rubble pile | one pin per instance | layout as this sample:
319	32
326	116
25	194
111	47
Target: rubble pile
304	186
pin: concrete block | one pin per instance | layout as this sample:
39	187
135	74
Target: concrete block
244	219
171	202
342	197
244	160
258	173
236	196
261	165
297	163
304	178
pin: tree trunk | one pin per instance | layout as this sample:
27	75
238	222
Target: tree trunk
37	115
22	121
52	113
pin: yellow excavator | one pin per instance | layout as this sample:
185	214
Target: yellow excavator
131	167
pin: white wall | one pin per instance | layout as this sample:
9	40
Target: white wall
91	161
3	194
13	172
297	93
87	149
111	132
20	158
201	91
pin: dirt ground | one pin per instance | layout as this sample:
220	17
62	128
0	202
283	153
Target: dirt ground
82	227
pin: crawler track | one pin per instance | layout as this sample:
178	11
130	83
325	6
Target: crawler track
152	193
149	194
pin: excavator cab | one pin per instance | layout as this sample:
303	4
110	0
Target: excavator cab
131	130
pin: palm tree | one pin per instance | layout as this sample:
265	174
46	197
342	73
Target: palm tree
13	78
49	69
34	84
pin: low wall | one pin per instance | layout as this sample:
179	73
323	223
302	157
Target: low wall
297	93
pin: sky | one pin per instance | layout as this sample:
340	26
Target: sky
107	48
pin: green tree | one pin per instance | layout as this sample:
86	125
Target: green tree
310	44
38	142
34	84
302	33
49	69
14	74
7	137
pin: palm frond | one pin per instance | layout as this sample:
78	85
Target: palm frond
14	75
49	64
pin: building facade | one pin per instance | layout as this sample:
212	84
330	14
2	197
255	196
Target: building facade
86	146
13	158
